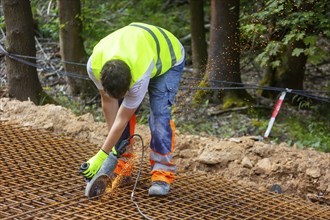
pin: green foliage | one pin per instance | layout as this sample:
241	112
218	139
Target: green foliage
302	130
143	114
46	19
103	17
274	24
303	103
308	133
2	22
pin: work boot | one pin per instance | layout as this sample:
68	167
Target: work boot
159	188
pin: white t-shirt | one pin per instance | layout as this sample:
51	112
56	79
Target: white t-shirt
135	94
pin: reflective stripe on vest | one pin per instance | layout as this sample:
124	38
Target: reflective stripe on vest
169	43
170	46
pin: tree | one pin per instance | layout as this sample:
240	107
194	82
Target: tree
290	74
198	41
224	53
72	45
283	69
286	35
23	79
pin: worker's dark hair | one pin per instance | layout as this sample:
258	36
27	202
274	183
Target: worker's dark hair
116	78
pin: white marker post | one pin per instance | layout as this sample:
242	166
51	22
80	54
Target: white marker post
275	112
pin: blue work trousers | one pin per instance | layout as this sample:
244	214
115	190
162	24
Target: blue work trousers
162	91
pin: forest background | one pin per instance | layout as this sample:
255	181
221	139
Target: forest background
240	56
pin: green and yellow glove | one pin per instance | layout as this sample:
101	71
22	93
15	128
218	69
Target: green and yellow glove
120	148
94	164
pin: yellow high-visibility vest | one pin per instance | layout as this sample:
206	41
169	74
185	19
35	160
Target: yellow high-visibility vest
137	45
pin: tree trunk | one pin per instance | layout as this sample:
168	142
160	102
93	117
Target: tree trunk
224	53
72	45
23	79
198	41
290	74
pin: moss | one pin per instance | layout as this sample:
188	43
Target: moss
257	123
230	101
202	95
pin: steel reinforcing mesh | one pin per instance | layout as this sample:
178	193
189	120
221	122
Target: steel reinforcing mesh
40	180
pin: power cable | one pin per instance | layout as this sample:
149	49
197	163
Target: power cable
138	176
56	59
244	84
63	73
253	86
319	98
240	86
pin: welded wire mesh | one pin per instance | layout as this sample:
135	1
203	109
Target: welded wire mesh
40	180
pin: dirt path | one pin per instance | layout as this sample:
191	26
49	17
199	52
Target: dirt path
304	173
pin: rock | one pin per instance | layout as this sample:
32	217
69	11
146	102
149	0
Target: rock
204	139
264	166
283	145
217	157
48	126
183	145
313	172
247	143
246	162
187	153
88	117
263	150
237	140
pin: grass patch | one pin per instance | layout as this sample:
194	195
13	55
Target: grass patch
310	131
306	132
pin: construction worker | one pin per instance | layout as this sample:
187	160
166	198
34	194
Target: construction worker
124	66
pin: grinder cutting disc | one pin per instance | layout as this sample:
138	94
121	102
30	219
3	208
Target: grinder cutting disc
97	187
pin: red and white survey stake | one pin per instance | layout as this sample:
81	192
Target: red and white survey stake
275	112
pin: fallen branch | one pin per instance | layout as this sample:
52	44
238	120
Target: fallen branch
222	111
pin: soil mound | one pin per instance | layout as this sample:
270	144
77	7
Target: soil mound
252	163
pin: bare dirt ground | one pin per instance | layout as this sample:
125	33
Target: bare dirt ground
251	163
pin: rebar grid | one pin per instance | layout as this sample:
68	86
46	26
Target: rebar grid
39	180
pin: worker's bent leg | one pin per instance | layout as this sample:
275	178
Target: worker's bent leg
163	168
162	91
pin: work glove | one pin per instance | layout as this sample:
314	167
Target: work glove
94	164
90	168
120	148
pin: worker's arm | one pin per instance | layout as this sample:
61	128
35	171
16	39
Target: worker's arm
117	120
109	107
122	118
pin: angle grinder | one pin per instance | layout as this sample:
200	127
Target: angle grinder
97	185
